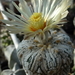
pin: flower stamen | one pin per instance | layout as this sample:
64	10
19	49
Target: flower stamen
36	22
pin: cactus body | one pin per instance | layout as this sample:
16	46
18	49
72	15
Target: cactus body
52	57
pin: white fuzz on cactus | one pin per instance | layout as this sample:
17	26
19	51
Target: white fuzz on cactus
46	49
52	57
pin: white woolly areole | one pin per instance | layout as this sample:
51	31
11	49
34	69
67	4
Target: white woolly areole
53	57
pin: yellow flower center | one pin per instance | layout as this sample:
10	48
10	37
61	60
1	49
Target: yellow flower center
36	22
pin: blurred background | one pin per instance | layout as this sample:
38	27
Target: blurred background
6	40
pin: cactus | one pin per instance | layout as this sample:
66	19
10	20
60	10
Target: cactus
46	49
51	58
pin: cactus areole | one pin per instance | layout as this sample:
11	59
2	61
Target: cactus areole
46	49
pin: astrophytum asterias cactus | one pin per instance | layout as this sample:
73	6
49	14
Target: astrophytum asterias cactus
46	49
53	57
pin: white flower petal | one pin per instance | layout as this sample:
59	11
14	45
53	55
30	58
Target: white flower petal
20	17
12	22
63	5
35	5
52	7
48	7
44	7
12	17
13	29
22	12
63	21
25	7
64	14
40	6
